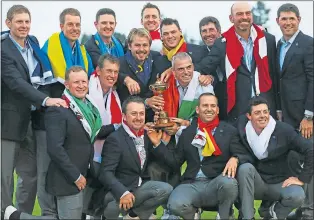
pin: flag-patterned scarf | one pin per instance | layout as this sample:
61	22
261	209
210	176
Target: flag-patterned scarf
181	47
234	54
110	111
206	137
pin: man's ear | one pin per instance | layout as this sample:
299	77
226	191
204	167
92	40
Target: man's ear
248	116
61	26
197	110
8	23
66	84
98	71
123	117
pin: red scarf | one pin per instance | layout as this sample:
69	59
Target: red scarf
171	98
155	35
209	128
234	54
116	115
137	134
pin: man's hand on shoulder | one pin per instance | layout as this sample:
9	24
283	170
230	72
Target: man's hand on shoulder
132	85
205	80
56	102
127	201
164	77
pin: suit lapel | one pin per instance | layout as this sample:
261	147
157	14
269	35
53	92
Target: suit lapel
132	148
18	55
87	135
293	48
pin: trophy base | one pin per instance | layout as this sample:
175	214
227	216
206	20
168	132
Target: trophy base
164	125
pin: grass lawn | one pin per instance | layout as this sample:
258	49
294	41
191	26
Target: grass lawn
205	215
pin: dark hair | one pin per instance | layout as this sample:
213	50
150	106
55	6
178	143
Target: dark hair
149	5
129	100
74	69
105	11
169	21
108	57
256	100
68	11
287	8
206	94
17	9
210	19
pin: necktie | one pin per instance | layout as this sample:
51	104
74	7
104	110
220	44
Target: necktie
283	51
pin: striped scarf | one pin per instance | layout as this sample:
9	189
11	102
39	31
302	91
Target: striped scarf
209	143
234	54
190	100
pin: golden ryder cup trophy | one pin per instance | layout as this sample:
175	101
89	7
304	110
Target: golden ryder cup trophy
163	121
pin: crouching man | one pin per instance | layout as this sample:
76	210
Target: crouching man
124	168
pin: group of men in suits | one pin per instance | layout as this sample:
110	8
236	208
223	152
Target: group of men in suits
241	64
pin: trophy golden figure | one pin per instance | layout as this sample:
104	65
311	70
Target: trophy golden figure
163	120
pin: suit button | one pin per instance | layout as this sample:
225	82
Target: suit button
201	165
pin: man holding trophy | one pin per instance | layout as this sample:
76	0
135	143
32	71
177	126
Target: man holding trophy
180	97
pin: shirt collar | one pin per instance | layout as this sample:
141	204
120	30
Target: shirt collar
291	39
242	39
178	85
19	47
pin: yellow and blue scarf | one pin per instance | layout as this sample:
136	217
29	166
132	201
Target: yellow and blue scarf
116	49
60	55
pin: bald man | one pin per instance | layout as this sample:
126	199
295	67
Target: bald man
247	70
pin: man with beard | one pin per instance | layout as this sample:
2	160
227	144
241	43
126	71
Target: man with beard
295	87
64	49
103	42
124	168
136	65
151	20
25	77
205	146
173	43
246	56
263	172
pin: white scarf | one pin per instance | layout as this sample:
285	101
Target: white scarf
95	91
259	143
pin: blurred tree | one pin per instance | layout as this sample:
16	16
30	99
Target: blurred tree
84	38
260	13
120	36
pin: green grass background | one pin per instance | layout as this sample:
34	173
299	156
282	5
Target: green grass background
205	214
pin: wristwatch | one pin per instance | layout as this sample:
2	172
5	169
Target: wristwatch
308	117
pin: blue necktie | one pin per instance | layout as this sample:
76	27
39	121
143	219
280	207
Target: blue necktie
283	52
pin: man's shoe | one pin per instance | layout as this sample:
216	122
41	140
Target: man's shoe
8	212
231	216
167	216
300	214
129	217
272	211
152	217
198	214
